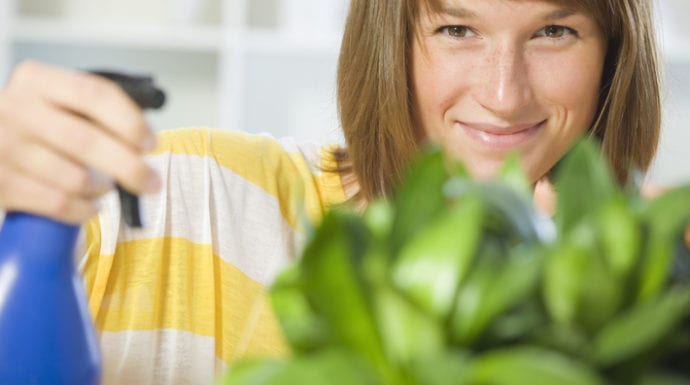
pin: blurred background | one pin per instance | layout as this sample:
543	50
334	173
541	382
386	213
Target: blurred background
262	65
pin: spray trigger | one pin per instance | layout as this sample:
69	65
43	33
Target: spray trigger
146	94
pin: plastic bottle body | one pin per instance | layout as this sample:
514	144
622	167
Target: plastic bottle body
46	332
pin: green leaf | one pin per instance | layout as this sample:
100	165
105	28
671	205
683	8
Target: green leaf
515	280
516	324
666	218
670	212
494	286
407	332
563	279
508	213
584	184
620	236
378	218
419	198
303	328
567	339
433	263
601	294
641	328
449	367
514	216
253	372
579	286
333	281
330	367
514	176
529	366
664	379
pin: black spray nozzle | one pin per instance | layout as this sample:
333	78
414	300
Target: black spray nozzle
145	93
142	89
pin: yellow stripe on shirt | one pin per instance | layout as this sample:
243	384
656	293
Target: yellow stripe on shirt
171	283
251	156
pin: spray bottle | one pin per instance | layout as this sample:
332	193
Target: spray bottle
46	332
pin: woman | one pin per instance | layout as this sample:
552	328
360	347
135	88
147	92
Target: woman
177	300
497	76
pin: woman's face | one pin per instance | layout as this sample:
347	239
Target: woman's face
495	76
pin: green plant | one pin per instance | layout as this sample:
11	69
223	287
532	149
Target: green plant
455	281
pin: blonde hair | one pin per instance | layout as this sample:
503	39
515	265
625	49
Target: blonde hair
375	93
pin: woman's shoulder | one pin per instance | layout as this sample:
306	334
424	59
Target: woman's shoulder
238	150
282	167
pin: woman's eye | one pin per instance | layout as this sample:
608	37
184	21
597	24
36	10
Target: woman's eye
456	31
556	31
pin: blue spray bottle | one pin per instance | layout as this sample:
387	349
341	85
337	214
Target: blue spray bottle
46	332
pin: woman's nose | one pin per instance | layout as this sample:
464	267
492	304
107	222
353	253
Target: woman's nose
503	85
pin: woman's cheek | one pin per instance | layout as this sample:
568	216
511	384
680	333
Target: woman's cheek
573	81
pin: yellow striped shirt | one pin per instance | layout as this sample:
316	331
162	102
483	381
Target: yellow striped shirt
177	300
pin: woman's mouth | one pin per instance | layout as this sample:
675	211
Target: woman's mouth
501	137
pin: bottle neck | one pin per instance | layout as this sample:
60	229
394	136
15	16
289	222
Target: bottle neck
38	240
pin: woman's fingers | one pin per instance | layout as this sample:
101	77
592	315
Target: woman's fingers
22	193
61	173
78	139
94	97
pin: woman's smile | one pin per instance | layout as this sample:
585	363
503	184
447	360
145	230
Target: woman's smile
501	138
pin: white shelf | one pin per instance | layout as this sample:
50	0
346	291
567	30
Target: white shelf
181	38
225	71
276	42
42	30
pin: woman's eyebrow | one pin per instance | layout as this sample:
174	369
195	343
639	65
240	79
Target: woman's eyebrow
560	14
464	13
457	11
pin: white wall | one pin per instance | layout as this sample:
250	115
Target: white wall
672	164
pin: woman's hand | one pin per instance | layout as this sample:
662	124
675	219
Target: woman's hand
65	137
